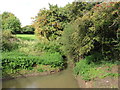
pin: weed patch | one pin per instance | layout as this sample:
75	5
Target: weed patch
92	71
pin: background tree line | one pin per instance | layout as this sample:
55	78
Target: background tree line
12	23
81	28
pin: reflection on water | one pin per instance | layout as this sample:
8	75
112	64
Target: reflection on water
63	79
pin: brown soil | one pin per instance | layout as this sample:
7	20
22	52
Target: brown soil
107	82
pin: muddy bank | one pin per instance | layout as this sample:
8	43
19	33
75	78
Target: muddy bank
20	75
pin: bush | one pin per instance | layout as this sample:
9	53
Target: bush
54	59
9	42
51	47
96	57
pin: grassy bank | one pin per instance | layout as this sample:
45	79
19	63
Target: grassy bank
92	71
97	75
31	56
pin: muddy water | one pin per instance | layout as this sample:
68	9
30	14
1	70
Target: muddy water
63	79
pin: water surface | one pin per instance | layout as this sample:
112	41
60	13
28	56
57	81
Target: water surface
63	79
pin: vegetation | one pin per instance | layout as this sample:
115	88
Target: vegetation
10	22
8	41
92	71
23	58
87	33
49	24
26	36
29	29
15	61
96	31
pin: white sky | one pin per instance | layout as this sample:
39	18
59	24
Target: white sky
25	9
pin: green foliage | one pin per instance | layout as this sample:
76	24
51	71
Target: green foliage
94	58
51	47
40	70
96	31
77	9
26	36
49	24
29	29
10	22
15	61
8	41
92	71
85	70
54	59
90	30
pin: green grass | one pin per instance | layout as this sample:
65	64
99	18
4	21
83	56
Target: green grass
92	71
26	36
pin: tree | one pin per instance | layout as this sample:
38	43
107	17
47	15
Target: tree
77	9
49	24
28	29
96	31
10	22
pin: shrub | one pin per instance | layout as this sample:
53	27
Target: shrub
51	47
54	59
9	42
96	57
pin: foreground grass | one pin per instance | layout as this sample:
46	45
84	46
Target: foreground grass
92	71
26	36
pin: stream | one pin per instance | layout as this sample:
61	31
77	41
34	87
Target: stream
63	79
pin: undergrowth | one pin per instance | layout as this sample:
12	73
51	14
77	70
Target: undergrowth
15	61
90	71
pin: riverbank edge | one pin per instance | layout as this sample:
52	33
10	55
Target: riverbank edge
30	75
104	81
82	83
93	83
